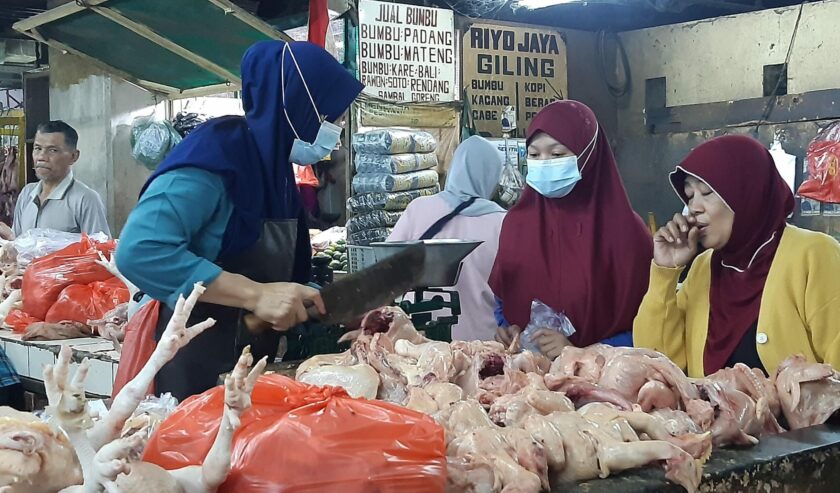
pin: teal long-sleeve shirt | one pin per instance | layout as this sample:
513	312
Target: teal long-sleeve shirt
174	234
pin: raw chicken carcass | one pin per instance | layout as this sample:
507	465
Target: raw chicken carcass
112	325
809	392
638	375
490	446
530	362
737	419
434	359
750	381
359	380
511	409
34	456
341	359
444	394
388	320
583	392
592	451
699	445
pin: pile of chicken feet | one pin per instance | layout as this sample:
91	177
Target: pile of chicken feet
72	454
516	422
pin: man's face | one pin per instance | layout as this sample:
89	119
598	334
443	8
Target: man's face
52	157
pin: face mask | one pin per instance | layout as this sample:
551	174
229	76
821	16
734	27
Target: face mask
556	178
329	134
553	178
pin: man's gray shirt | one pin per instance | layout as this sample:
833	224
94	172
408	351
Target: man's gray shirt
72	207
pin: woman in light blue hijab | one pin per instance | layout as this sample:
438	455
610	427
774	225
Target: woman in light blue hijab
464	211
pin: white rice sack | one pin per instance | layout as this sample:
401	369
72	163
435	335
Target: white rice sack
394	141
394	163
380	182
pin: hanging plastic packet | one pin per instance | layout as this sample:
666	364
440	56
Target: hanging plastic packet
543	317
785	163
510	185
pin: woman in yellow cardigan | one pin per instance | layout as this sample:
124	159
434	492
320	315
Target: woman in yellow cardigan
762	291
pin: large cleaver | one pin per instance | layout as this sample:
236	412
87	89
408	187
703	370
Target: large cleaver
363	291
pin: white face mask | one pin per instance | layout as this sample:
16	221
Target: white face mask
329	134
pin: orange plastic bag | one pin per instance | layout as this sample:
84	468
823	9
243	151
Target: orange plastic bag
46	277
81	303
138	345
19	320
302	438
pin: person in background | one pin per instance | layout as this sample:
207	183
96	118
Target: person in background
762	291
11	390
57	201
572	241
463	211
223	209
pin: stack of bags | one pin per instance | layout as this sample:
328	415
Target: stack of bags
393	167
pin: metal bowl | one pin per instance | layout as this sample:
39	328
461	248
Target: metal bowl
443	259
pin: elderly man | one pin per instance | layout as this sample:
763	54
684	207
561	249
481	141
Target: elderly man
57	201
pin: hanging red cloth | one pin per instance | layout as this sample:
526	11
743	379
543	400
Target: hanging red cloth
319	18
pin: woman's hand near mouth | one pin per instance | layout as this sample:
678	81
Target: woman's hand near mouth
675	244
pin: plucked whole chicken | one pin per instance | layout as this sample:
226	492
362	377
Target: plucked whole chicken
517	422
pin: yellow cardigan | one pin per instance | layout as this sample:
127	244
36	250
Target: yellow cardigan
800	306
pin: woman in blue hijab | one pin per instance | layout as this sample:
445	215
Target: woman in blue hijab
223	209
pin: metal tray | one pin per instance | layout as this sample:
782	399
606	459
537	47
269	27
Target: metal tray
443	259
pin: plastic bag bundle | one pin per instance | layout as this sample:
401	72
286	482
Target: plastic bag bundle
151	140
149	415
543	317
394	164
36	243
368	183
394	141
84	302
372	220
46	277
823	181
510	185
387	201
367	236
302	438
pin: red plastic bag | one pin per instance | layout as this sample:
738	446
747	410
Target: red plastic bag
19	320
823	182
302	438
138	345
46	277
81	303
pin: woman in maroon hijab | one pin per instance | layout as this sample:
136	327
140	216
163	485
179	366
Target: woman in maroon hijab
762	291
572	241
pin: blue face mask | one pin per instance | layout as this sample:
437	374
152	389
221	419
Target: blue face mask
553	178
329	134
556	178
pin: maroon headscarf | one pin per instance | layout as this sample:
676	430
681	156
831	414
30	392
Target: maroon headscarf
742	172
586	254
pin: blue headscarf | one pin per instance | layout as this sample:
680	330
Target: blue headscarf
251	154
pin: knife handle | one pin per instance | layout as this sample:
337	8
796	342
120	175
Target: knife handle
257	326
